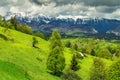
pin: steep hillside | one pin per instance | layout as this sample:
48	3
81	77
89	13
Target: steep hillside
115	31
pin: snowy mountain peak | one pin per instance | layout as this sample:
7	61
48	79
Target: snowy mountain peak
66	22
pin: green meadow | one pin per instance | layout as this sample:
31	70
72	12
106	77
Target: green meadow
20	61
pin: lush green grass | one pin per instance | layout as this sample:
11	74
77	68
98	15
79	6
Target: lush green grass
20	53
20	61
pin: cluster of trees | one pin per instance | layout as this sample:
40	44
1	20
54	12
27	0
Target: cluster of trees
99	71
109	51
56	60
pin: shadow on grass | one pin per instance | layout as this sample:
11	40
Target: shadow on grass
58	74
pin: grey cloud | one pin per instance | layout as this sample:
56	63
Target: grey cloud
37	2
102	2
105	9
86	2
58	2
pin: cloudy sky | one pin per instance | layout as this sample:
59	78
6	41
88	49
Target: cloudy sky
82	8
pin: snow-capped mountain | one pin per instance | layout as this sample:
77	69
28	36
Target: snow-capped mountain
74	24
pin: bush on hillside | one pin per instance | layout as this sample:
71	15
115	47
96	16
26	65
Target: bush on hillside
68	44
70	75
39	34
93	52
86	49
75	47
112	49
35	41
104	53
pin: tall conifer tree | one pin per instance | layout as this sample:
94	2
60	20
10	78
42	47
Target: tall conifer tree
56	60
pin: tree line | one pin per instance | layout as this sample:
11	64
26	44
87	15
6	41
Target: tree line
22	27
14	24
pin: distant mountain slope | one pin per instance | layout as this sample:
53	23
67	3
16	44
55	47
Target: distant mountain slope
67	24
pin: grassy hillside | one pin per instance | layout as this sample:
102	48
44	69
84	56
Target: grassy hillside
20	61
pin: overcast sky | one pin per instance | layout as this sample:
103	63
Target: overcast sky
83	8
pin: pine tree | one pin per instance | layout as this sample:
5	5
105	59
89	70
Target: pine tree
56	60
74	63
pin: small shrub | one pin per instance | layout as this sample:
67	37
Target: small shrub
68	44
104	53
39	34
93	52
35	41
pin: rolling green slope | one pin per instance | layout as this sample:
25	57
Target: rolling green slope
20	61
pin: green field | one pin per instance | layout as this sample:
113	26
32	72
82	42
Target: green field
20	61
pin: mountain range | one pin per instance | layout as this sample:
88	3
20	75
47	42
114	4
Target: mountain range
69	24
